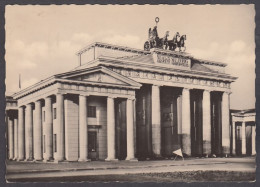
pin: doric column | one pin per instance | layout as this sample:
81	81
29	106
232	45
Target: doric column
28	133
225	124
83	129
186	139
234	138
15	138
179	118
37	135
11	137
156	121
130	129
206	123
253	140
49	129
111	148
60	126
20	133
243	138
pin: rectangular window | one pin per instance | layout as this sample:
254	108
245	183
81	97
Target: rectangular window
44	149
55	143
54	113
91	111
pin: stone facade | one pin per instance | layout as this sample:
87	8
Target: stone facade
123	103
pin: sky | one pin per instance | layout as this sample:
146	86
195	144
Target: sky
43	40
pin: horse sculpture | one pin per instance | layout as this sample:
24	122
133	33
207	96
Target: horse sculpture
155	41
163	43
181	43
174	42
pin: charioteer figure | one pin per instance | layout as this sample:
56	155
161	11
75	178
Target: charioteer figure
163	43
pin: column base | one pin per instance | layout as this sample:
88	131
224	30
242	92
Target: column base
28	159
111	160
20	159
84	160
132	159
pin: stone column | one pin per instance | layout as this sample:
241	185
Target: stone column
234	138
83	129
15	138
60	126
206	123
186	123
49	129
111	148
11	137
37	136
156	121
243	138
20	133
253	140
130	129
225	124
179	118
28	132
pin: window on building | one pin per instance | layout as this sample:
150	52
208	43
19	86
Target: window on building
44	148
55	143
54	113
91	111
92	141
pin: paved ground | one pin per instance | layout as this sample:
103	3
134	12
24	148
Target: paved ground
163	170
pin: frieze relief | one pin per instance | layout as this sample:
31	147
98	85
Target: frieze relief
172	78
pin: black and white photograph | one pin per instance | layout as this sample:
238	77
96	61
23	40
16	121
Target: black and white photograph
130	93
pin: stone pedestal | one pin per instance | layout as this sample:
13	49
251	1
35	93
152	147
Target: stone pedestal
206	123
156	121
186	122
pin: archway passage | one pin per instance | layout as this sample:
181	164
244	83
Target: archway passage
249	138
216	123
196	122
143	122
169	120
238	126
120	122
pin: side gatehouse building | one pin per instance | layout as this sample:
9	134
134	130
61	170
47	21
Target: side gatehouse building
122	103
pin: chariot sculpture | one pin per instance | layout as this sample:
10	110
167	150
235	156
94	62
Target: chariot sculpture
154	41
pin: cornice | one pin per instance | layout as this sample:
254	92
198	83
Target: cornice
156	68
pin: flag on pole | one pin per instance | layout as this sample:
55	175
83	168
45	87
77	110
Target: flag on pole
19	81
178	152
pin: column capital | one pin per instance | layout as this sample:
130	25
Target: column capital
187	89
206	90
131	98
111	96
157	85
227	92
85	95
